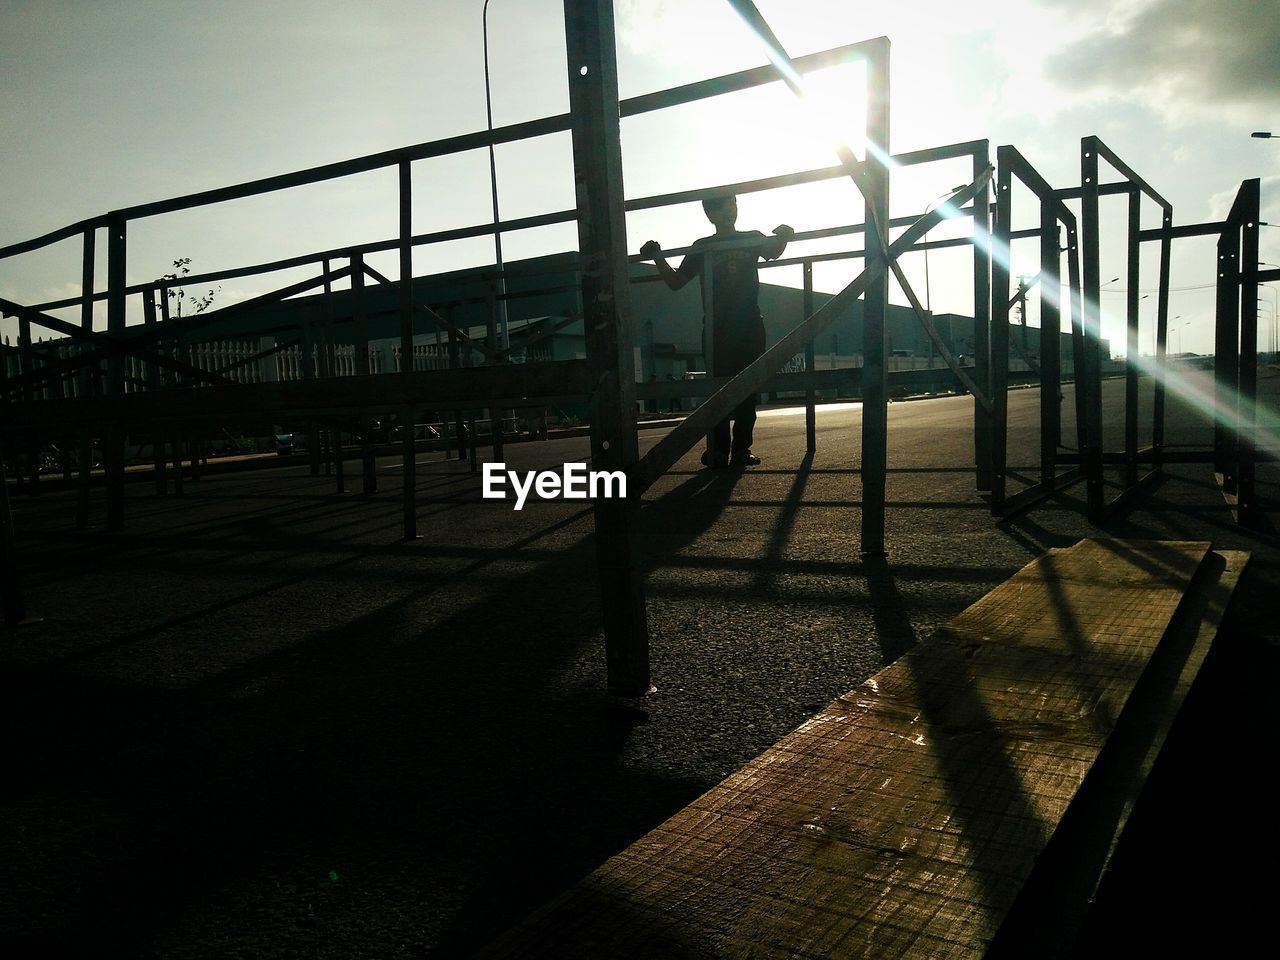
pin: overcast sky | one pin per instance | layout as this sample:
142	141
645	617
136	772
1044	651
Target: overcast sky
110	103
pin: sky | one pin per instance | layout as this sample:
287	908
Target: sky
110	103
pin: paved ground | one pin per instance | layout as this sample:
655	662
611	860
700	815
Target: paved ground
255	724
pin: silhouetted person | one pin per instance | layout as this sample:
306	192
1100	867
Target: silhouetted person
736	328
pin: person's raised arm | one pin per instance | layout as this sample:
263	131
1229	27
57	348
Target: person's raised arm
671	277
774	246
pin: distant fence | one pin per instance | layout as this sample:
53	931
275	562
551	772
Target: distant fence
247	360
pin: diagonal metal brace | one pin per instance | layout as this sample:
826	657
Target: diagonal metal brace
107	346
491	355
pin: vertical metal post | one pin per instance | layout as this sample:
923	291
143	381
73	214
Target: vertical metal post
810	394
172	348
153	385
1050	327
87	378
362	369
4	368
27	368
1131	348
455	361
329	367
1162	341
606	294
1090	379
491	338
308	341
1226	357
1077	336
999	371
473	438
115	440
875	386
981	321
26	364
409	453
1251	203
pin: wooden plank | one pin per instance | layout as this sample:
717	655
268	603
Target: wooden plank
1053	906
903	819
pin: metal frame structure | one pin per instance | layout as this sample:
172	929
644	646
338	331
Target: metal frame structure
1083	250
1234	452
1053	214
1091	150
165	397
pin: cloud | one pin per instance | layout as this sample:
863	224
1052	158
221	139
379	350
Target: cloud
1182	57
1220	203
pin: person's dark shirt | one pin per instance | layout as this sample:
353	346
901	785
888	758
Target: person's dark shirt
736	276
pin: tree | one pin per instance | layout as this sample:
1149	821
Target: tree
178	295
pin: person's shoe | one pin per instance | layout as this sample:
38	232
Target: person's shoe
714	462
747	459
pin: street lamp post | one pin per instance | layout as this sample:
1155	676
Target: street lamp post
1274	303
1178	331
493	185
1271	339
1166	345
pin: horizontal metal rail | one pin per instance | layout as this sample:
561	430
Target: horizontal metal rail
1211	229
561	123
949	151
1126	171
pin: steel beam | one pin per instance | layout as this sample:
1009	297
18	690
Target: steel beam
369	466
1089	380
153	384
1226	357
1050	340
810	395
875	391
1250	211
1170	232
1162	338
1000	301
115	440
88	379
602	242
982	424
408	455
1132	302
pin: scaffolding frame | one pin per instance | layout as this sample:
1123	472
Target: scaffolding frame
165	396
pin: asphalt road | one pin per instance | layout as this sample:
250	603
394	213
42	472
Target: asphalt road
257	724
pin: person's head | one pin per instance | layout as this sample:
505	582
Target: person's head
721	211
